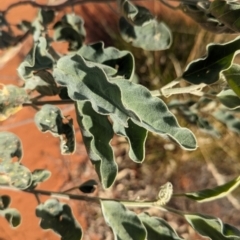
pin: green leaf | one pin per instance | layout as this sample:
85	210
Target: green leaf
97	133
11	100
58	217
158	228
199	12
136	137
232	122
211	227
10	147
208	69
227	12
70	28
232	76
124	223
88	186
38	59
110	56
12	216
50	118
4	202
152	36
229	99
208	195
154	114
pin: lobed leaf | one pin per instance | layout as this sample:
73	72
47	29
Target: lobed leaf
90	83
124	223
154	114
59	217
97	133
158	228
208	69
110	56
50	118
70	28
136	136
152	36
43	82
135	14
208	195
38	59
211	227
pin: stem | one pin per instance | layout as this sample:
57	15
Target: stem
167	90
127	203
53	102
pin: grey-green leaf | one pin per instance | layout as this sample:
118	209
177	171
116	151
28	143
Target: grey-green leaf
43	82
208	69
207	195
136	136
90	83
158	228
38	59
229	99
71	29
110	56
59	217
124	223
97	133
50	118
152	36
154	114
10	146
211	227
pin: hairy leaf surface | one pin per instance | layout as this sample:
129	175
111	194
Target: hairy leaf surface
124	223
97	133
158	228
110	56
